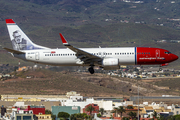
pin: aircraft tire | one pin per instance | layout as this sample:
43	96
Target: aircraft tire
91	70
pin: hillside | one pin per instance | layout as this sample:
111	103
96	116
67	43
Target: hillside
48	82
92	23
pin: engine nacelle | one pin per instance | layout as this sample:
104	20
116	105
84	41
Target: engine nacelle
110	63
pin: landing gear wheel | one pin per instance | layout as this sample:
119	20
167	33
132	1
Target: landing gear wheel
160	69
91	70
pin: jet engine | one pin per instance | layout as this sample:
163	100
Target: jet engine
110	63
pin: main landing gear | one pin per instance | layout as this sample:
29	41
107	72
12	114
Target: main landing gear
91	70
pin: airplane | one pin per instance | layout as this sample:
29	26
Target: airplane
106	58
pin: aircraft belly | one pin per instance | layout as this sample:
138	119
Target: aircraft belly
127	60
59	61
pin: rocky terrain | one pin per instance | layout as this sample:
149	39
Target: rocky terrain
49	82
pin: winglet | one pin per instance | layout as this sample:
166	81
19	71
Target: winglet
64	41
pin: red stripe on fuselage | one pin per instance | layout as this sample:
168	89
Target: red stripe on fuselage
150	56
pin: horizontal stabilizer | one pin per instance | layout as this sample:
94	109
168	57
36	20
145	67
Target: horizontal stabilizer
14	51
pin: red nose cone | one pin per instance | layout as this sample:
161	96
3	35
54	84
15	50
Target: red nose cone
175	57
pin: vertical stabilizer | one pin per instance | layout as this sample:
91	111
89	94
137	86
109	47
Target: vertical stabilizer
19	39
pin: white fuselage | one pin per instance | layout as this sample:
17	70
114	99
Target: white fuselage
66	57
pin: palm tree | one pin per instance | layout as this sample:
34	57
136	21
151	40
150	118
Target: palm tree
154	114
130	107
119	110
132	114
89	109
101	110
114	110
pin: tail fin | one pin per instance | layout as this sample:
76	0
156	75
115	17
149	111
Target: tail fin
19	39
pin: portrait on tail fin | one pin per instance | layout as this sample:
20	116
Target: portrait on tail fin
18	42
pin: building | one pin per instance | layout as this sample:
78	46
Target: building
67	109
21	116
44	117
175	109
107	105
37	109
82	104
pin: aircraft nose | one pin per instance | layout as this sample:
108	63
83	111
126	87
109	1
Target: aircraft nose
175	57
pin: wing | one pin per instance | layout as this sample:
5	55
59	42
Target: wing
84	56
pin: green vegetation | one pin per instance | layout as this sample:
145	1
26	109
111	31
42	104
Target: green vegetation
154	114
129	107
49	112
132	115
119	110
63	115
102	111
79	116
90	109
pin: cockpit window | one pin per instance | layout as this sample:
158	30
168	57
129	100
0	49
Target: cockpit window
167	52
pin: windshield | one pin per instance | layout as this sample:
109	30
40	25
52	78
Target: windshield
167	52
